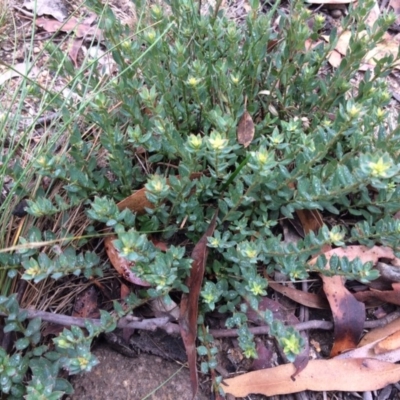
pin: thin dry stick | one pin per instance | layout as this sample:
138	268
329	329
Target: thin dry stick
172	328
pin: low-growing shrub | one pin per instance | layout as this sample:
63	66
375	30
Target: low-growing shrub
183	82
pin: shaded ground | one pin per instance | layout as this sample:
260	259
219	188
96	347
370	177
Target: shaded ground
122	378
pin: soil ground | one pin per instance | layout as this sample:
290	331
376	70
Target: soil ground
122	378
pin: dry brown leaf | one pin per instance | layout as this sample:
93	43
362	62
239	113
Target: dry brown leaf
352	375
55	8
74	51
121	264
245	130
392	342
21	69
348	314
334	58
364	253
138	202
125	291
190	302
387	47
86	304
311	300
373	15
264	357
311	220
341	46
368	351
380	333
385	296
82	29
395	4
330	1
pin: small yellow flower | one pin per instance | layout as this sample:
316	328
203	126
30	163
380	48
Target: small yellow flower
217	142
156	10
195	141
193	82
380	113
151	35
291	344
250	353
126	44
379	168
319	19
126	250
262	157
354	111
208	298
385	96
326	122
251	253
336	236
83	362
42	161
235	79
63	344
158	186
257	289
33	271
214	242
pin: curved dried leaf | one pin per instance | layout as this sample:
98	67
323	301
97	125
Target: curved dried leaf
384	296
311	300
364	253
121	264
348	314
368	351
353	375
138	202
392	342
380	333
330	1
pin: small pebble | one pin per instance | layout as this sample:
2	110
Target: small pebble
36	50
336	13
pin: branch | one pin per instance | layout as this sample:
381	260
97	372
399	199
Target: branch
164	323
